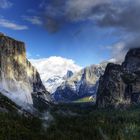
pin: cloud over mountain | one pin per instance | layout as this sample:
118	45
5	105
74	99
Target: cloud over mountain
53	70
54	66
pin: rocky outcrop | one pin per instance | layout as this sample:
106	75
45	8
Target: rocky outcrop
81	84
17	76
120	84
68	75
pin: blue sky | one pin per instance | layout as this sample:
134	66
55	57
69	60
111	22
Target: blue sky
48	31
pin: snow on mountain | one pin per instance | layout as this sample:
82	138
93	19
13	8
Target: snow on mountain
81	84
54	70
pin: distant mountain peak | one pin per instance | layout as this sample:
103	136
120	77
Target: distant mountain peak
69	74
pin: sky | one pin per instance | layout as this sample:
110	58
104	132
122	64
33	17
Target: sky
85	31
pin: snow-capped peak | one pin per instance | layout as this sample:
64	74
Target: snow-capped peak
54	70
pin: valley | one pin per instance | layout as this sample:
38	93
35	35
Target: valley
90	123
97	102
69	69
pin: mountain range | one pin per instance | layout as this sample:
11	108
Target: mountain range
111	84
68	81
81	84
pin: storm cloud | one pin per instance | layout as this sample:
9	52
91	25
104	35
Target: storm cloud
121	15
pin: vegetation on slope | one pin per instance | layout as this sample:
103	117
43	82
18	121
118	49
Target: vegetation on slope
89	124
16	127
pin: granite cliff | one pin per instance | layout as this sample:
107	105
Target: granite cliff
18	78
120	84
81	84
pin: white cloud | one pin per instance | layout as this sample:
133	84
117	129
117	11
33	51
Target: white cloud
4	4
54	68
54	65
33	19
11	25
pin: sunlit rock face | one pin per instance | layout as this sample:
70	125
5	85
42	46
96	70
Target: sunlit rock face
18	78
120	84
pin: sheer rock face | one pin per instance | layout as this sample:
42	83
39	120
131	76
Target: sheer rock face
111	86
120	84
17	76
